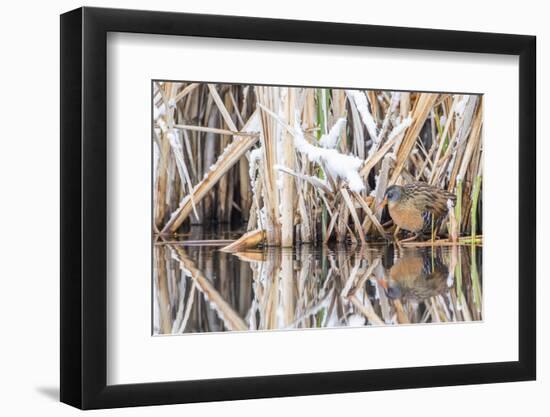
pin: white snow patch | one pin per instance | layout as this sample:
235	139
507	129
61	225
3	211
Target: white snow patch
330	139
356	320
158	111
395	100
173	138
461	105
363	108
450	280
400	128
162	124
338	165
256	154
254	125
156	157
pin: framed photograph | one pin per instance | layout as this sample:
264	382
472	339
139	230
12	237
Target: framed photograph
256	208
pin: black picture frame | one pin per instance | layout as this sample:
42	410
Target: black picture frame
84	207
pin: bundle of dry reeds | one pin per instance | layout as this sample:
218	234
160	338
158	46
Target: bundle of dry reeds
308	164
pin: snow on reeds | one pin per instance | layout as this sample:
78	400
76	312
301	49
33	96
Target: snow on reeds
309	164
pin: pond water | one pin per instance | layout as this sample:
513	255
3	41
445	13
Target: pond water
198	288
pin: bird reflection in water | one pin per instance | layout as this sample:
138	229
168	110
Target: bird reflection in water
418	276
201	289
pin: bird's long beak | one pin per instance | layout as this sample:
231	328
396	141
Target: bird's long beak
383	203
383	283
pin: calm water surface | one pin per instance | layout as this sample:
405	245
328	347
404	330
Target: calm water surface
197	288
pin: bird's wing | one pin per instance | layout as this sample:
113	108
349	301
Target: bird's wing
427	198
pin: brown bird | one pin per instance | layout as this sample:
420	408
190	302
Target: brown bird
418	276
417	207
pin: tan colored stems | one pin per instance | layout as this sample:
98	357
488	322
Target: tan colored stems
229	316
287	200
230	157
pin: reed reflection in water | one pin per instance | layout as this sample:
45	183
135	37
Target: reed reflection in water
200	289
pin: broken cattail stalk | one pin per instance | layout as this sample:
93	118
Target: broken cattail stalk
249	240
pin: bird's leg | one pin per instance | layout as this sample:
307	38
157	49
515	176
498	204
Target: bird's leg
387	224
409	239
395	233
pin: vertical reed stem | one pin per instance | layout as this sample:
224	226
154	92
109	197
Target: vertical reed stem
287	201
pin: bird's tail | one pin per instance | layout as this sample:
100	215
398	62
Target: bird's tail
450	196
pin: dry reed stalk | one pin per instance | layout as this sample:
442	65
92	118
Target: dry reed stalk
287	198
454	227
162	182
249	240
404	112
404	104
462	128
215	130
254	221
225	188
222	107
208	153
402	317
162	292
231	155
287	287
363	278
370	215
358	147
367	310
315	181
244	188
371	95
436	318
271	298
226	313
440	242
187	313
267	98
473	141
244	177
342	227
387	118
251	256
330	228
382	185
377	156
227	121
443	137
207	242
419	115
351	279
305	229
339	110
355	217
185	91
